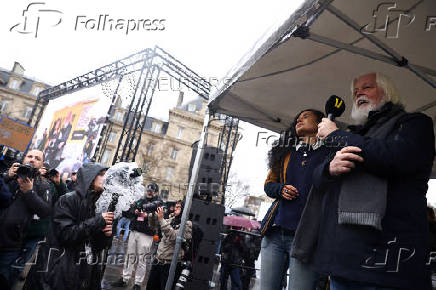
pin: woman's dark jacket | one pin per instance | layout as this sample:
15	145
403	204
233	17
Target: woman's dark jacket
295	169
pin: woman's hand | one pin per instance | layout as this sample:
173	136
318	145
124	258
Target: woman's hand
289	192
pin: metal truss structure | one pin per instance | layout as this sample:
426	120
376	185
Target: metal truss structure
146	66
228	138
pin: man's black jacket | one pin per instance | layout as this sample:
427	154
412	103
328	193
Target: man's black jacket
16	218
141	226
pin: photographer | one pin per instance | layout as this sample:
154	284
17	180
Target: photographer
165	251
58	186
31	199
71	183
143	227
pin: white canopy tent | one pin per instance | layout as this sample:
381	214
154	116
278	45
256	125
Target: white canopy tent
322	46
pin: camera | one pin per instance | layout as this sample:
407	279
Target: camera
152	206
136	172
26	171
184	275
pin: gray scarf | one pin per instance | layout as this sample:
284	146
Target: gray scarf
362	199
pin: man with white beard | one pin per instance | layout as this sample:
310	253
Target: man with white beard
371	220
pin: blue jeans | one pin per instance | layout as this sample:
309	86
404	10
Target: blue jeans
28	250
235	277
275	260
123	223
343	284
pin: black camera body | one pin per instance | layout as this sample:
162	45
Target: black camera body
151	206
27	171
136	172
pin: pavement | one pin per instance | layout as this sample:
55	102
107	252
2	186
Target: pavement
114	270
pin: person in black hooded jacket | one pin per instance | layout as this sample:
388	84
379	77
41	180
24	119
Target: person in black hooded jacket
71	258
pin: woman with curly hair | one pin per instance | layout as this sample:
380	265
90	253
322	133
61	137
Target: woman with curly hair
291	162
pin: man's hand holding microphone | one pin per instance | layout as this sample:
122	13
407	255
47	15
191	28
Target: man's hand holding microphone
346	158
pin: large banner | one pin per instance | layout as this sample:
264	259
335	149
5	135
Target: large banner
70	128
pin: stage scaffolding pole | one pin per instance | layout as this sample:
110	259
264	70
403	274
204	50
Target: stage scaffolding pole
188	200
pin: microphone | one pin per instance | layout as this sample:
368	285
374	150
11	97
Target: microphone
334	107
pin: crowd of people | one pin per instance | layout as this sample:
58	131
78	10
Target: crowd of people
53	226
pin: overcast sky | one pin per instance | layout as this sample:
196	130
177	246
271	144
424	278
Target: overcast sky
208	37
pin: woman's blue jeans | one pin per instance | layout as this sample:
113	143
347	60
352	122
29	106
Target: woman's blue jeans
275	259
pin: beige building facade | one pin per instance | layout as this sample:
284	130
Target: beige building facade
18	93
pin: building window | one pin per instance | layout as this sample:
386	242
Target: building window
156	127
169	174
119	116
26	112
14	84
4	105
106	156
36	91
150	149
192	107
174	153
111	136
180	133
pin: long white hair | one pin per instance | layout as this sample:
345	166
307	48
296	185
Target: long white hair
384	82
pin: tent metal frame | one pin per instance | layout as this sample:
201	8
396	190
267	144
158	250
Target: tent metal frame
298	25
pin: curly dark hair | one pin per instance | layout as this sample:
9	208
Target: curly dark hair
288	139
